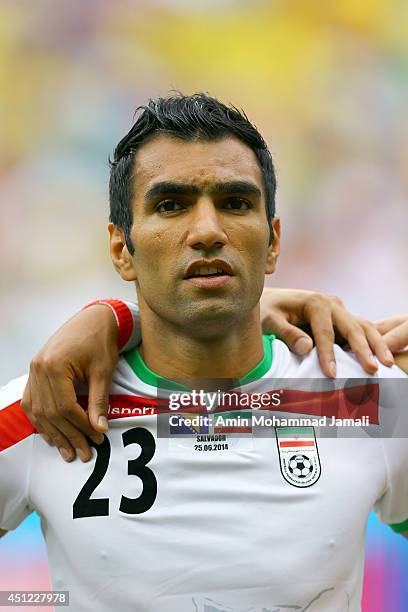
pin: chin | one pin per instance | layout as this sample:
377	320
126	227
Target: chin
213	320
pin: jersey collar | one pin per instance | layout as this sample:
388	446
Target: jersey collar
146	375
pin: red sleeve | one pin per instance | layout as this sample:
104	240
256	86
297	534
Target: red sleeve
123	316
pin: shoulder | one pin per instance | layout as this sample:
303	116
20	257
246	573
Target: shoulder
14	424
348	365
286	363
13	391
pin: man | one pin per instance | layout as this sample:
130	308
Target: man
166	523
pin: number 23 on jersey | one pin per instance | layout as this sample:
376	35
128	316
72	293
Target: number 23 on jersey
84	506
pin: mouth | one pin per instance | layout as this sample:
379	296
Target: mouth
209	273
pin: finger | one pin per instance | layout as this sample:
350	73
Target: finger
296	339
38	400
65	449
46	438
73	417
378	345
60	430
336	300
52	415
98	400
26	406
356	335
387	325
397	338
268	324
323	333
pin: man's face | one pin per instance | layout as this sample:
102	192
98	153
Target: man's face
200	232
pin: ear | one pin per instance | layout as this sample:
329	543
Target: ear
121	258
274	247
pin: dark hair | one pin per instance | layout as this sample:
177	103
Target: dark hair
187	117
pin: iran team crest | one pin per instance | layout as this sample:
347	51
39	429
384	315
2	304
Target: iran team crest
298	455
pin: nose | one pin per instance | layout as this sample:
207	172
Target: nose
205	229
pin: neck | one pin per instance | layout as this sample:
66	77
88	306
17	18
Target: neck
173	353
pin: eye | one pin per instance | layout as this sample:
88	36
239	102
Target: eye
238	204
169	206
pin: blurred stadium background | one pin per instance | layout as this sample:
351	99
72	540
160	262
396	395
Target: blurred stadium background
327	85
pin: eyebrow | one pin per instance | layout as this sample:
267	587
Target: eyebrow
175	188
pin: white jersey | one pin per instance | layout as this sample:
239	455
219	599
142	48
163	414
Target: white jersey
210	523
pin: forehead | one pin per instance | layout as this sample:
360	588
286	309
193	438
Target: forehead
199	162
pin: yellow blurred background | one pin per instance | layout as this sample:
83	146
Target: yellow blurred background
325	82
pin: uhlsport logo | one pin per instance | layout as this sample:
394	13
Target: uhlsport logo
298	455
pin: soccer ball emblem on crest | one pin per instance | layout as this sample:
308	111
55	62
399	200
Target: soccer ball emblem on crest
300	466
298	455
